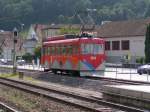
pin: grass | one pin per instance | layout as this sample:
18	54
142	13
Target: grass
16	76
9	75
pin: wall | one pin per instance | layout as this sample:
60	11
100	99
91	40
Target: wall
7	53
29	46
136	49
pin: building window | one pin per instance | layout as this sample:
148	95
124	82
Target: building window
115	45
107	45
125	45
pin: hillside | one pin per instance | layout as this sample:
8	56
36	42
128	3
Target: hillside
15	12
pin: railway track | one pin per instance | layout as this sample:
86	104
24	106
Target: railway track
6	108
88	103
106	79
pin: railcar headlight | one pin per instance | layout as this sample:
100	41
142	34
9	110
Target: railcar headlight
93	57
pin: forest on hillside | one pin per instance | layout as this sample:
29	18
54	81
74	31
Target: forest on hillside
16	12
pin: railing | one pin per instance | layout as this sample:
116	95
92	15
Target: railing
125	71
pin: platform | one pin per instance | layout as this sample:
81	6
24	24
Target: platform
133	95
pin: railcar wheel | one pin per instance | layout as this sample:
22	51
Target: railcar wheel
75	73
54	71
140	73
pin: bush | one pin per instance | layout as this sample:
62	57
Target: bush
37	52
140	60
27	57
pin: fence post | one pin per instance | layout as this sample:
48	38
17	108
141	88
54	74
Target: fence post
147	75
130	71
116	70
21	75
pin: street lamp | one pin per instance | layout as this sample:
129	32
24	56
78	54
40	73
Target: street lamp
21	52
15	36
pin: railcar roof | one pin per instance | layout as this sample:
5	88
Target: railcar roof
76	40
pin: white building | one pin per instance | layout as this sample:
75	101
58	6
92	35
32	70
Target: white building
31	41
124	38
34	38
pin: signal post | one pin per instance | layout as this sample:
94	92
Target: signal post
15	36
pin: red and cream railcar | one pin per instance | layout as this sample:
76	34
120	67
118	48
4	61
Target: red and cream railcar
84	56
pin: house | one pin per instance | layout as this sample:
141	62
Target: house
34	38
124	39
31	41
6	45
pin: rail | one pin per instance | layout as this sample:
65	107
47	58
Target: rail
6	108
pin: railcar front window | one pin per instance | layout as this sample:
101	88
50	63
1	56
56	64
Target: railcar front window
98	49
92	49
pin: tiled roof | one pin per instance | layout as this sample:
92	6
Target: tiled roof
124	28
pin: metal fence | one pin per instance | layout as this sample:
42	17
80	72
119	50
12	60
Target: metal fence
125	71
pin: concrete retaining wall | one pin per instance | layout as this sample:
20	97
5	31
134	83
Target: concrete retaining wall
127	97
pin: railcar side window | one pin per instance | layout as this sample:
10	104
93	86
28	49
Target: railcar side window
58	50
45	50
63	50
48	50
75	49
53	50
70	49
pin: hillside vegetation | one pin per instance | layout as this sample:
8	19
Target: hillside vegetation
15	12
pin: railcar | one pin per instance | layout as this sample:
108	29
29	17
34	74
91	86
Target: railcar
78	55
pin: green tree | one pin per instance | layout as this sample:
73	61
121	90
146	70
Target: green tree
69	30
37	52
147	45
60	11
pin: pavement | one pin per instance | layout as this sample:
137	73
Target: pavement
126	73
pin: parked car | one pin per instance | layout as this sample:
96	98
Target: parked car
3	61
21	62
144	69
6	61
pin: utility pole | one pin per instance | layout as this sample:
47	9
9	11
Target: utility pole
22	25
15	36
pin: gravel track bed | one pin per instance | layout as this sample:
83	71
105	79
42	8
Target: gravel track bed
89	84
27	102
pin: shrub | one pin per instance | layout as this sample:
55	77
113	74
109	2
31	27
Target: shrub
27	57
